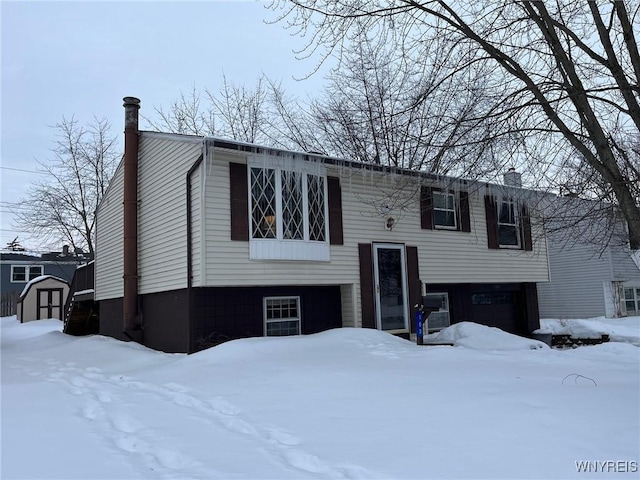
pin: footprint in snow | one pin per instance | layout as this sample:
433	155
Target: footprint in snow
175	387
125	423
92	410
129	444
224	407
281	437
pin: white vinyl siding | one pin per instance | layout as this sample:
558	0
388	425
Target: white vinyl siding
196	224
350	295
109	268
444	256
576	288
459	257
163	164
623	266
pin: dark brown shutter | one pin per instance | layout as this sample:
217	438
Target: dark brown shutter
426	208
239	189
492	221
525	227
334	194
415	286
366	285
465	218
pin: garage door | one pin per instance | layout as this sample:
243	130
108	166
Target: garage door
497	309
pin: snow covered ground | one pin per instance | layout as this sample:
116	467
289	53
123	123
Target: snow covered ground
346	403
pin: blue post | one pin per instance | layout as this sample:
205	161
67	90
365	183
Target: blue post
419	325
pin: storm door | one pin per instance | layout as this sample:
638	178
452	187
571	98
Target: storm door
390	286
50	303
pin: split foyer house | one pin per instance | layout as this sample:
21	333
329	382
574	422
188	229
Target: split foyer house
201	240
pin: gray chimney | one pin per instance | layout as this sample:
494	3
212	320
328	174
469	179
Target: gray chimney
513	178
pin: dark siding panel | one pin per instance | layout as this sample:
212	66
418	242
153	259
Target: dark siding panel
415	286
426	208
525	225
335	211
165	318
227	313
492	221
465	219
239	201
111	323
520	317
366	285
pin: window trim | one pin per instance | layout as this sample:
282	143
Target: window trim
27	272
267	321
491	211
453	210
441	310
636	299
517	225
462	211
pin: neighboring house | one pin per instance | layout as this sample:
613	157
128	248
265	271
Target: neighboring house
43	297
200	240
17	269
587	280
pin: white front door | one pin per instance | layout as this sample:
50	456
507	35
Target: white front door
390	286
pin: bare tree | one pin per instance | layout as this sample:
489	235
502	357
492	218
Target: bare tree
381	107
564	75
242	110
62	207
236	112
186	116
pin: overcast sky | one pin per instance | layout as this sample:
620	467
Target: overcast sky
80	58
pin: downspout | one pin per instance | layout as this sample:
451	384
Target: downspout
132	327
194	167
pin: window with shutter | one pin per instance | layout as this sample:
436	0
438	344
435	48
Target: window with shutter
444	210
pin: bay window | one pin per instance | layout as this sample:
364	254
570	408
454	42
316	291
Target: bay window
288	205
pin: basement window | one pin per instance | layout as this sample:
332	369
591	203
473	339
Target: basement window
440	319
281	316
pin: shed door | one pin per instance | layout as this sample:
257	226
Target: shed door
391	286
49	303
